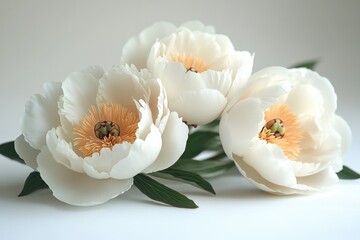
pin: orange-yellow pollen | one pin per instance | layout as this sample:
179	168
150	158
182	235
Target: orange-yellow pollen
191	63
282	129
103	127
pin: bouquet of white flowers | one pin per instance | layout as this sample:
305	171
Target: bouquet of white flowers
179	92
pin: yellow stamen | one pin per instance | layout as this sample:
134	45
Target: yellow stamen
191	63
289	141
86	140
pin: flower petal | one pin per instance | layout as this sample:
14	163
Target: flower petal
193	106
62	151
136	49
75	188
173	144
244	122
305	100
242	68
344	131
80	90
302	169
225	136
146	119
41	114
216	80
254	177
171	74
141	155
215	49
325	90
268	84
158	103
321	181
122	86
100	164
270	162
26	152
326	152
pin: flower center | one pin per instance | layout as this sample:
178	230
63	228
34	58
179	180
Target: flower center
106	129
276	127
103	127
280	120
191	63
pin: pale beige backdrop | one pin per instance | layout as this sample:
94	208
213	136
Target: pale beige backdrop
46	40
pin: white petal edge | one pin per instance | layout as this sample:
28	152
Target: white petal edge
26	152
75	188
174	142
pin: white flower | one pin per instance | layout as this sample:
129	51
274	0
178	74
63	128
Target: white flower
200	70
286	141
90	135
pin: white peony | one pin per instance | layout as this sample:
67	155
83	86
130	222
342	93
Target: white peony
90	135
283	140
199	69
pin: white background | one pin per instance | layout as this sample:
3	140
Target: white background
46	40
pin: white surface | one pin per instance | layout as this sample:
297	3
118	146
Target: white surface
46	40
239	211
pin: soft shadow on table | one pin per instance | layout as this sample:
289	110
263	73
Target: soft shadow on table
9	193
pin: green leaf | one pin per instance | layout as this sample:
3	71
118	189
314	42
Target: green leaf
198	142
308	64
187	177
33	183
218	156
8	150
162	193
347	173
206	168
210	126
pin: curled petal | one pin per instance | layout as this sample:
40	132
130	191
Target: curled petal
270	162
79	91
193	106
41	114
26	152
325	91
174	142
254	177
321	180
344	131
242	124
77	188
122	86
141	155
99	165
62	151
